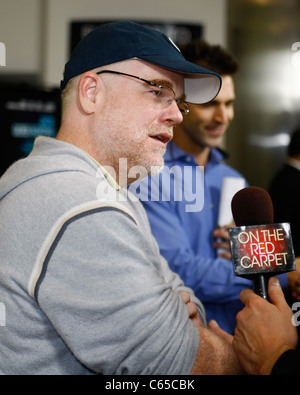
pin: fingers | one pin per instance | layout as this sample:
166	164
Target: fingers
191	308
221	243
224	254
193	314
222	232
276	294
246	294
185	296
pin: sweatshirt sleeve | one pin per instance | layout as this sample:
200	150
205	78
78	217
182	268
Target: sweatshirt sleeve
287	364
112	300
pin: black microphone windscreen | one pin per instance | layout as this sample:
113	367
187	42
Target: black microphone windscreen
252	206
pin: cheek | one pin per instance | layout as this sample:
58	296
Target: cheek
203	115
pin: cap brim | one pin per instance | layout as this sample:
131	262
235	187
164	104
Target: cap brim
201	89
201	85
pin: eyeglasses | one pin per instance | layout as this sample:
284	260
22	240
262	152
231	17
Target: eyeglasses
164	95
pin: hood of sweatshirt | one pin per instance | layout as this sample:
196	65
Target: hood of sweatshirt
48	156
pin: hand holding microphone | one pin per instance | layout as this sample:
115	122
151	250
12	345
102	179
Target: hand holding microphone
264	332
260	249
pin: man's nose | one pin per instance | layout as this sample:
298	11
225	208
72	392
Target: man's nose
173	115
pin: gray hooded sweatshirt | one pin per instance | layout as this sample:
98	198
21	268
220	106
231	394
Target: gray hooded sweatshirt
83	287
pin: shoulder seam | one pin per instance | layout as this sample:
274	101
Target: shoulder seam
44	255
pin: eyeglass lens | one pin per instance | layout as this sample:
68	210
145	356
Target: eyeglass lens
166	96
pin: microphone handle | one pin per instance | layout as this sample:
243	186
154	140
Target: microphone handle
260	284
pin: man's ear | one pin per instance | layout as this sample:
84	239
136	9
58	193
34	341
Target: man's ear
88	89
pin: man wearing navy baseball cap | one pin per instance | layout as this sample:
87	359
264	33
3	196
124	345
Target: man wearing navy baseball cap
116	42
85	288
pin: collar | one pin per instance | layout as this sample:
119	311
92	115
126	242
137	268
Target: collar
106	174
174	153
293	162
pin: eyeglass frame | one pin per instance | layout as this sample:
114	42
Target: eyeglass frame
151	83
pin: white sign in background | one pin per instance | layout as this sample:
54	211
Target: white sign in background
2	54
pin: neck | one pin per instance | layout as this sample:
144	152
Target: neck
296	157
112	166
200	152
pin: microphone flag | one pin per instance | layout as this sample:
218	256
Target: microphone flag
262	249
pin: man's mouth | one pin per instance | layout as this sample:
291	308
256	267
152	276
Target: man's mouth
215	131
163	137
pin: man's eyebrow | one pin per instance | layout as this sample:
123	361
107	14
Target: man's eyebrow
216	101
169	84
163	82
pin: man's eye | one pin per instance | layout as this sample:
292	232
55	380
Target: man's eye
156	92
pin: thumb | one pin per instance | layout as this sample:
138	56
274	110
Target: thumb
213	325
275	293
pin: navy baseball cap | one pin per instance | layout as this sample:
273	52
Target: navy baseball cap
118	41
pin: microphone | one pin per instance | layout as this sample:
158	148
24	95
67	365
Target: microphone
259	248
